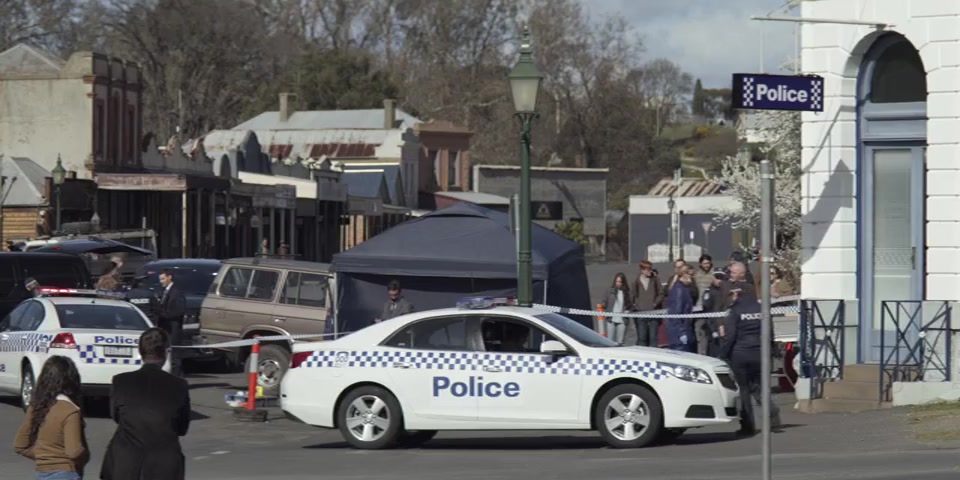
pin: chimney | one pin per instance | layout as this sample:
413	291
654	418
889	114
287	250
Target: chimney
285	108
389	113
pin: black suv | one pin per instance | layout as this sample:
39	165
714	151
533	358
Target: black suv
48	269
192	275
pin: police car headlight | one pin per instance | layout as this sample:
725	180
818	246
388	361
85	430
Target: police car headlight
684	372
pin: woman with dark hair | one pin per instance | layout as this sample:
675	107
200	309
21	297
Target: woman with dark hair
618	301
52	432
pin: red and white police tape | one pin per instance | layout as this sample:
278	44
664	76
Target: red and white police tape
662	313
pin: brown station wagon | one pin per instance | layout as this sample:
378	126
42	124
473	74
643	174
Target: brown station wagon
263	296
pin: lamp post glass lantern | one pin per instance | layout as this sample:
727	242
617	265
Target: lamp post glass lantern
59	175
525	82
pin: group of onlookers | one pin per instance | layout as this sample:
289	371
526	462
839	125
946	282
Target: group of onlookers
687	287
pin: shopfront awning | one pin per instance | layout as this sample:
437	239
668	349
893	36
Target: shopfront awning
396	210
305	188
159	182
267	196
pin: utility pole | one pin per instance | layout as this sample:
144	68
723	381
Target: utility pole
179	114
676	228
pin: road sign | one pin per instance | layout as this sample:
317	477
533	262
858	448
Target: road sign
757	91
546	210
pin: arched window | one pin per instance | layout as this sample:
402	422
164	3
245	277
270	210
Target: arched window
898	76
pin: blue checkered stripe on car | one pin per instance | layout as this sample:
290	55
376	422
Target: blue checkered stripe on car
88	354
472	361
26	342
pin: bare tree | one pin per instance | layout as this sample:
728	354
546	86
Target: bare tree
46	24
665	86
212	54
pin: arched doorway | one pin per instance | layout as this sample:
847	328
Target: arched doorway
892	131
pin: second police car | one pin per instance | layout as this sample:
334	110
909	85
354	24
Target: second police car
488	365
99	334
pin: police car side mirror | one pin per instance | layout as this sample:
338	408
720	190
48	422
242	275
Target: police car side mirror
553	347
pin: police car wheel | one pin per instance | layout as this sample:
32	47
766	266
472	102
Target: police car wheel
415	438
629	416
370	418
26	387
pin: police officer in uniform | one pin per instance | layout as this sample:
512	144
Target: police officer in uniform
742	351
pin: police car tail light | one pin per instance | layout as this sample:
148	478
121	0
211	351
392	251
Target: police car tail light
683	372
64	340
298	358
486	302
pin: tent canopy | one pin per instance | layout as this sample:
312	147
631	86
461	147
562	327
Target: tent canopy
461	250
460	241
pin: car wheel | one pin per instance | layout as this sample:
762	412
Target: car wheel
26	387
370	418
415	438
629	416
272	365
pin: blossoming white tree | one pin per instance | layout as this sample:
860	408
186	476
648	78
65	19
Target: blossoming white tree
741	177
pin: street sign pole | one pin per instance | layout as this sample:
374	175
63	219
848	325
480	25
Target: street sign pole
766	234
759	91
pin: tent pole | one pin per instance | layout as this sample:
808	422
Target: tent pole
336	304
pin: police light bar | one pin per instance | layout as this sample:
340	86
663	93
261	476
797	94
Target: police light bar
473	303
76	292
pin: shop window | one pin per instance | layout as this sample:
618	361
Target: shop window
453	169
98	119
434	156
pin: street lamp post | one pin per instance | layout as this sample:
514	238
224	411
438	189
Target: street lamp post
525	88
706	234
671	204
59	175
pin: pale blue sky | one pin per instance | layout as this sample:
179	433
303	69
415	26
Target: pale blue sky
711	39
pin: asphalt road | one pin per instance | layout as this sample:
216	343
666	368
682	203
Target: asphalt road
872	445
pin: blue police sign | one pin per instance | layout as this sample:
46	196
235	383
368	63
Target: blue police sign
777	92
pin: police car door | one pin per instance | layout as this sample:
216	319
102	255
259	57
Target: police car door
7	346
17	335
520	384
429	364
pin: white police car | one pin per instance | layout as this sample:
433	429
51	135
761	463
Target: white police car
485	366
99	334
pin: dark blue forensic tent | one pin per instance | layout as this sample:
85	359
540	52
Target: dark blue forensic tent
458	251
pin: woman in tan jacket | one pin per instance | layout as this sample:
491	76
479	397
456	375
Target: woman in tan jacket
52	431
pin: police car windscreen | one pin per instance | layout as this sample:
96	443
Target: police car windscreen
101	317
576	330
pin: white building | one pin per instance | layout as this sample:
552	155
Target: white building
881	190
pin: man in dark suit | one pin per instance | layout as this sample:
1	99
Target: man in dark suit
152	411
395	305
173	305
